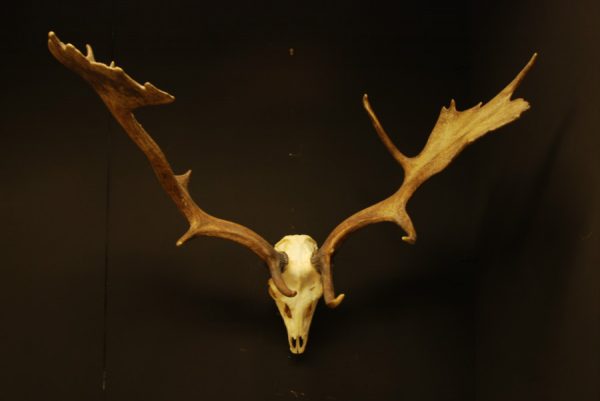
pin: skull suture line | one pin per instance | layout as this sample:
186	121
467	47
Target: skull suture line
300	273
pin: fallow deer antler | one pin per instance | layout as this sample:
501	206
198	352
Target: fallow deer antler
453	131
122	95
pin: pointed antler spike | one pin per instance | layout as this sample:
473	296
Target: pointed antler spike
394	151
184	179
514	84
335	302
90	53
191	233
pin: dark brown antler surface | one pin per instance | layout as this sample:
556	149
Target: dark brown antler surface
122	95
453	131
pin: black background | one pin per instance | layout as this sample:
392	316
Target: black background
498	300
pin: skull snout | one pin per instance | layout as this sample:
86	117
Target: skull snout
297	344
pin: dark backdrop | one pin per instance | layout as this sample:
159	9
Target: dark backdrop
498	300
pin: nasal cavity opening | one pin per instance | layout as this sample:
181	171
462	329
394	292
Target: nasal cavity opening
301	342
294	342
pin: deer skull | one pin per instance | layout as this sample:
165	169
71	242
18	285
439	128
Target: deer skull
301	276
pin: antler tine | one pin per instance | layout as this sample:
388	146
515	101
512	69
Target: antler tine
122	95
453	131
394	151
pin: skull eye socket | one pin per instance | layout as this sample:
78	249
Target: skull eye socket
287	311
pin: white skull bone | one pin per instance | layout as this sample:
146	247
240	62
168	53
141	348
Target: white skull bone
301	276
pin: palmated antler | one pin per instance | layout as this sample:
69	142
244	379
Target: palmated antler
122	95
453	131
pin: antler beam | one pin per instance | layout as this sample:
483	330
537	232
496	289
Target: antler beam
453	131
